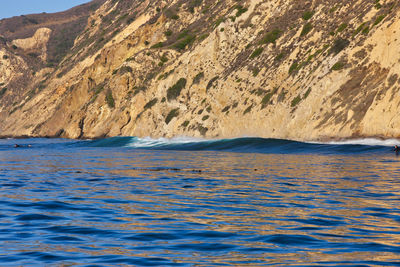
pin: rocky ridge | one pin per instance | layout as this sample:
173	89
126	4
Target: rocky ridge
304	70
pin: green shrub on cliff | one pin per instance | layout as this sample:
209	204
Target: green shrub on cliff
219	21
338	66
307	93
211	82
186	41
158	45
379	19
164	58
174	91
295	101
267	98
280	56
125	69
342	27
171	14
150	104
168	33
240	10
271	37
205	118
248	109
293	67
225	109
3	91
377	4
256	52
110	99
193	4
172	114
339	45
308	15
185	124
306	29
198	78
255	71
359	28
365	31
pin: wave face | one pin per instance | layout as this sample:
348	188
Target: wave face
241	145
247	145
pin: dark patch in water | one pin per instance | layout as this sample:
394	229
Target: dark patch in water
37	217
78	230
15	185
41	256
153	237
291	240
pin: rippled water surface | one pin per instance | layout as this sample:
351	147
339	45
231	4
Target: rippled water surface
68	203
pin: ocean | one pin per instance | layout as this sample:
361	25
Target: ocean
129	201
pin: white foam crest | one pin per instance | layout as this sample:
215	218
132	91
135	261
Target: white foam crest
152	142
368	142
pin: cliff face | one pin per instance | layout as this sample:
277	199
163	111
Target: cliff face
306	70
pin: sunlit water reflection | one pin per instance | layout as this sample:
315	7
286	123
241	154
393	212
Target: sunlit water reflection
122	206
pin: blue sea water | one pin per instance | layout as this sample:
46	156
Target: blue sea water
187	202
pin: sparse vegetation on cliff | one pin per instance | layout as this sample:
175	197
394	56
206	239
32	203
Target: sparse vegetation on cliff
295	101
3	91
240	10
256	52
174	91
379	19
168	33
185	123
341	27
172	114
198	78
211	82
150	104
271	37
185	42
339	45
308	15
110	99
267	98
359	28
171	14
294	67
338	66
157	45
306	29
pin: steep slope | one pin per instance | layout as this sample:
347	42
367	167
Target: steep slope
32	46
304	70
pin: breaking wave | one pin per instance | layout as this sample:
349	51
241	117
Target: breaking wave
242	145
248	145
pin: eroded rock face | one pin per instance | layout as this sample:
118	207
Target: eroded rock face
305	70
35	44
10	66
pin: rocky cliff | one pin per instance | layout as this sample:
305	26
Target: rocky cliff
305	70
